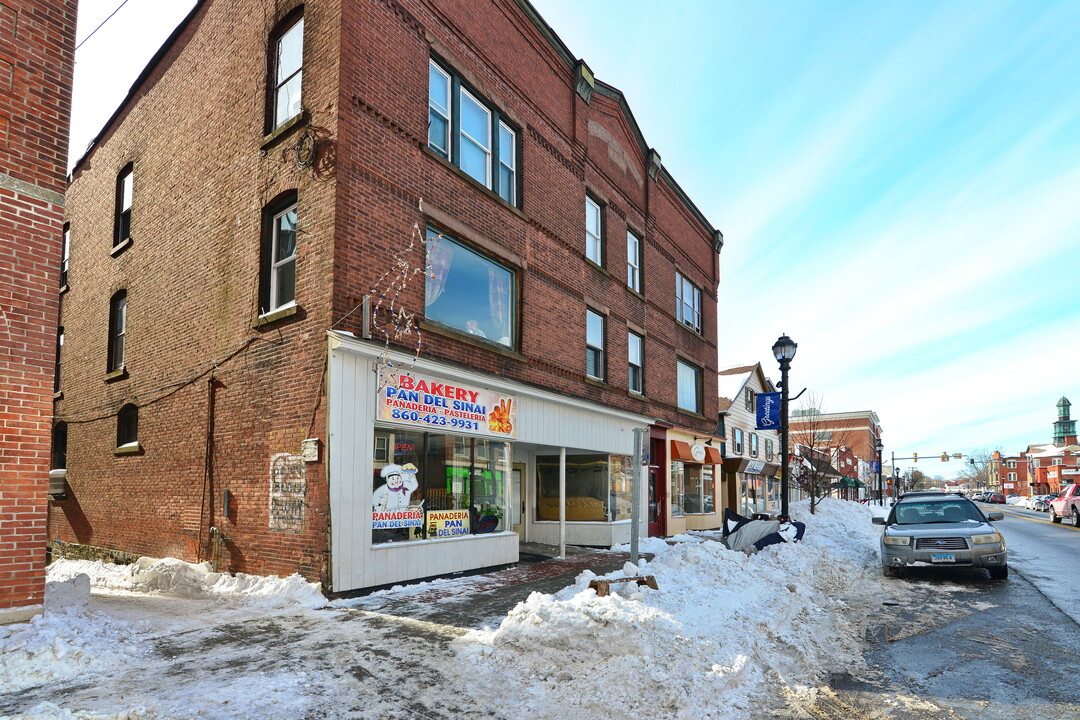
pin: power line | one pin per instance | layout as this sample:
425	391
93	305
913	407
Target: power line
125	2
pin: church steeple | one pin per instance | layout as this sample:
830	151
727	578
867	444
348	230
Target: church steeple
1064	428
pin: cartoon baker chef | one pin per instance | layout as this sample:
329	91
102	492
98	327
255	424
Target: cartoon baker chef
395	494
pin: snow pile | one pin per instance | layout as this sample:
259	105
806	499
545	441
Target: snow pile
170	576
67	641
722	635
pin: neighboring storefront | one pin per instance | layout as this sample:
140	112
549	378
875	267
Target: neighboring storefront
436	469
694	483
758	484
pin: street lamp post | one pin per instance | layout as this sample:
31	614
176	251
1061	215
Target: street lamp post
784	350
880	493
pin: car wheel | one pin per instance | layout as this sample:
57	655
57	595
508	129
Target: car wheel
999	573
1076	517
1054	517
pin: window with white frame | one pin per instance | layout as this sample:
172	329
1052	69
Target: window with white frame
594	231
636	357
768	449
1057	461
117	331
125	187
689	386
1011	464
753	444
278	276
687	303
633	261
1012	477
594	344
288	72
471	133
737	441
65	255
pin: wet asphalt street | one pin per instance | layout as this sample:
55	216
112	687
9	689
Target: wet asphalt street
964	647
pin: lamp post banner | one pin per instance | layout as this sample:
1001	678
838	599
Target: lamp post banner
768	411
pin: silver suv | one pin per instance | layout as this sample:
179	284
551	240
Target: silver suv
942	530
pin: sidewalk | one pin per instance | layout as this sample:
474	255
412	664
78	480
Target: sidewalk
476	601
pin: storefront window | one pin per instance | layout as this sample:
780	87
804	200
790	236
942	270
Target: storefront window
700	489
430	486
598	487
678	489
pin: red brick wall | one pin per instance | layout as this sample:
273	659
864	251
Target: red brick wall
195	139
191	272
37	41
568	148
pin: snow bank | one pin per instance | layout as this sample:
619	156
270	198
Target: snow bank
67	641
173	577
722	625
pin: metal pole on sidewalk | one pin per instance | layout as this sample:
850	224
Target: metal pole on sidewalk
562	502
635	504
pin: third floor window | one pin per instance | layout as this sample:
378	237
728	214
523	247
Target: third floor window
288	72
124	191
469	132
594	231
633	261
687	303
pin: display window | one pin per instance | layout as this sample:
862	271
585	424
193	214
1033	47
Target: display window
700	486
678	488
430	486
598	487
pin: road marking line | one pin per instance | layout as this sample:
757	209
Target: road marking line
1037	519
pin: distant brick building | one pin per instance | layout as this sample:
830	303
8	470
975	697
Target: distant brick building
37	41
849	439
1040	469
372	292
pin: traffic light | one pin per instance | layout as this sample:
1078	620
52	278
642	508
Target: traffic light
944	457
915	457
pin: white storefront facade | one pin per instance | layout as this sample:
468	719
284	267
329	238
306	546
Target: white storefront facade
436	469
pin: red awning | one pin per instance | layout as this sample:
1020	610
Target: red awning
681	451
712	455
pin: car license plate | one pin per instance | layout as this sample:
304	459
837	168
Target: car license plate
942	557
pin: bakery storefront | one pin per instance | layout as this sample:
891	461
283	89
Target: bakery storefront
694	483
436	469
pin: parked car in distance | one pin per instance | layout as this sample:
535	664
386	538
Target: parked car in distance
943	531
1042	502
1066	505
997	498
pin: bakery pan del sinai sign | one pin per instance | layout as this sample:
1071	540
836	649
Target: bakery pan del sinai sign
450	406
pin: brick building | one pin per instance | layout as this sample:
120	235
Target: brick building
373	291
37	47
1040	469
849	441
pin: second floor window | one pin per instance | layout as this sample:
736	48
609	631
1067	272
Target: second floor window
471	133
594	344
117	330
633	261
753	445
277	287
636	346
687	303
468	291
594	231
689	386
288	73
59	358
768	449
125	186
65	254
737	441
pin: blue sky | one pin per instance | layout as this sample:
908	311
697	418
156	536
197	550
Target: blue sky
898	184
